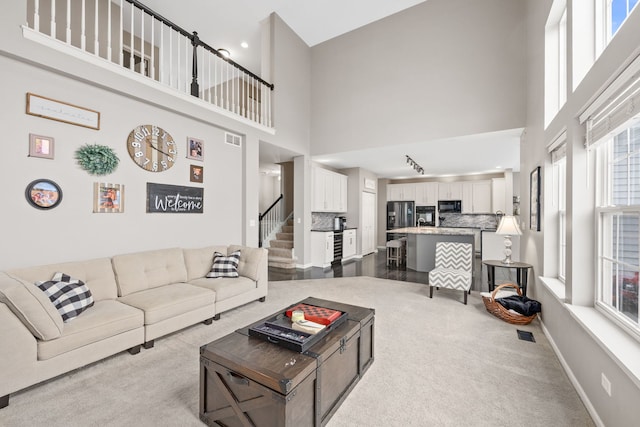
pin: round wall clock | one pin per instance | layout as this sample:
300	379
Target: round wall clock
152	148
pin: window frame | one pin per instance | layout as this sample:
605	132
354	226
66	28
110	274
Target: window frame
605	212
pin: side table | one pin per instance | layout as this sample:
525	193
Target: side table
522	272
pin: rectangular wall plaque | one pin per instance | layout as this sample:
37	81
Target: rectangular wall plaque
61	111
164	198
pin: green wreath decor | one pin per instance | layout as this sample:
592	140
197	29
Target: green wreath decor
97	159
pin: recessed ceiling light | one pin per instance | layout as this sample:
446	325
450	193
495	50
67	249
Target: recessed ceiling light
224	52
244	45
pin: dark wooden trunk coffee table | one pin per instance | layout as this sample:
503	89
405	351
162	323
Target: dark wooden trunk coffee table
246	381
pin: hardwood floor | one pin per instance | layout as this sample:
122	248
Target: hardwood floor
374	265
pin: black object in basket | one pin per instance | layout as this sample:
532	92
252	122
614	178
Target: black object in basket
278	330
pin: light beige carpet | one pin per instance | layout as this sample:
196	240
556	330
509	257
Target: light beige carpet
437	363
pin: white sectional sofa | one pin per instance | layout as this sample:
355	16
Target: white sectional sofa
137	298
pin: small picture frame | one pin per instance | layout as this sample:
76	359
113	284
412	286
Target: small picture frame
40	146
195	149
43	194
196	173
108	198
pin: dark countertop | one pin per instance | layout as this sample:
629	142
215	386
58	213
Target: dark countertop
326	230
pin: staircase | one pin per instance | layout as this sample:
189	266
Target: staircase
281	249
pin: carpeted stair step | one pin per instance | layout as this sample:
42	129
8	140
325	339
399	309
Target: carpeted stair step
279	262
280	253
284	236
287	229
286	244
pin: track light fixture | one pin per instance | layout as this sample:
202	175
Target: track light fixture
414	165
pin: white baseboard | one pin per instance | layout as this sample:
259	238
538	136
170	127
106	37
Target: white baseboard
574	381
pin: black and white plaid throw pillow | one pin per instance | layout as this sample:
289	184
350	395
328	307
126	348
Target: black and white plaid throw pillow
225	266
70	296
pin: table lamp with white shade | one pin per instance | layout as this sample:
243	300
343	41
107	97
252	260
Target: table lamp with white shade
508	227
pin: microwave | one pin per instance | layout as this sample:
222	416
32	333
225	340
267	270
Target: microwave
449	206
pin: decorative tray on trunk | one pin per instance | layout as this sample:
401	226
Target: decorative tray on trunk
279	330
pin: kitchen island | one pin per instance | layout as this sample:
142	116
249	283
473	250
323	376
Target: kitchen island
421	243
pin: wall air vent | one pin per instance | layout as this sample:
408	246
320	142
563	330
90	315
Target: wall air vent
232	138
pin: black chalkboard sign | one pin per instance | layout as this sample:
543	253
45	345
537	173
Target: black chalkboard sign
164	198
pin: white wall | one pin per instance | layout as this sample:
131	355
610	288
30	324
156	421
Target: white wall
269	191
71	231
567	311
442	68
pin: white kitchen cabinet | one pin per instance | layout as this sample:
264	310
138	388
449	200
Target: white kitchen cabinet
368	224
329	191
426	194
401	192
341	198
321	248
476	197
482	202
449	191
498	191
348	244
467	197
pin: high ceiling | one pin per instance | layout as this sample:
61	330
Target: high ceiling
226	24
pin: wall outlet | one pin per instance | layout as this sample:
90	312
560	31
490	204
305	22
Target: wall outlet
299	220
606	384
252	223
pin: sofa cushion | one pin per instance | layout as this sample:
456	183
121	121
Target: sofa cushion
151	269
165	302
70	296
249	265
31	306
198	261
224	266
106	319
225	287
97	274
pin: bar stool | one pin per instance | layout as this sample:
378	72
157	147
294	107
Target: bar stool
394	252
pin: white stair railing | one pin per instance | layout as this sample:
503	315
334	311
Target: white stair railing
128	33
270	221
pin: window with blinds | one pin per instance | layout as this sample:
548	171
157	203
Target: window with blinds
613	132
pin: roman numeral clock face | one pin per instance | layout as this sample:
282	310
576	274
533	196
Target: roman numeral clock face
151	148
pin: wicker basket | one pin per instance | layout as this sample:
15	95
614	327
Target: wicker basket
500	312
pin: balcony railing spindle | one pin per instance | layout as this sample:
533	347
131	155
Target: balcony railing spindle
83	26
173	62
68	24
96	37
53	18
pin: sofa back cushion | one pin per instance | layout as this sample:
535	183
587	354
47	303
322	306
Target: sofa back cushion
97	274
29	304
151	269
199	261
250	259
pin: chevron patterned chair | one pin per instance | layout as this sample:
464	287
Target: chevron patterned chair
454	268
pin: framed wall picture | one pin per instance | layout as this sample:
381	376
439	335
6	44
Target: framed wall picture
40	146
196	173
108	198
165	198
43	194
52	109
534	191
195	149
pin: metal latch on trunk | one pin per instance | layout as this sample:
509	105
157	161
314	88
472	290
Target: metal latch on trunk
343	345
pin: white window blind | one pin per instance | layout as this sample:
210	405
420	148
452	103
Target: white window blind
613	109
558	147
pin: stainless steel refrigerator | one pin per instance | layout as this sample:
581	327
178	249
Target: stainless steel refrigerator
400	215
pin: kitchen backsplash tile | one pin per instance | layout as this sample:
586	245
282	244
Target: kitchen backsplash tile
484	221
322	220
